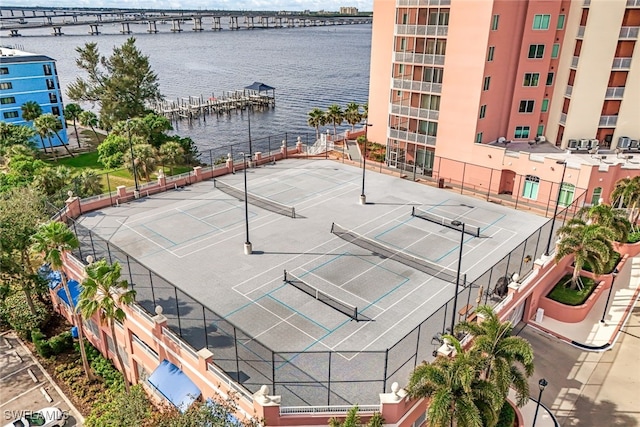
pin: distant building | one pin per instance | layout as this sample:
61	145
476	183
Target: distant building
26	77
349	10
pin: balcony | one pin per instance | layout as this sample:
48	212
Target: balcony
563	118
580	32
568	91
404	135
586	3
419	58
422	30
629	33
424	2
621	63
608	121
574	61
414	112
633	3
417	86
614	93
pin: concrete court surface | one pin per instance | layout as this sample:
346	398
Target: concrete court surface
19	392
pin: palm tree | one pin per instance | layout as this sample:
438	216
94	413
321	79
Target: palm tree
89	118
335	115
43	131
145	159
316	118
103	292
589	243
171	153
501	353
365	112
455	388
72	112
89	183
52	124
52	240
31	110
352	114
627	193
607	216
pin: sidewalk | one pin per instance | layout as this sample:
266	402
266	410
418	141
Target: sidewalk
528	411
590	334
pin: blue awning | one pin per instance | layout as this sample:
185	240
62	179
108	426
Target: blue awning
231	420
74	290
51	276
173	384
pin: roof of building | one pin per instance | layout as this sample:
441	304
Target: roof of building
12	56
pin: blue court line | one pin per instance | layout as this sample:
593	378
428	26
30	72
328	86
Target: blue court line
386	294
232	312
324	263
157	234
493	223
393	228
297	312
455	248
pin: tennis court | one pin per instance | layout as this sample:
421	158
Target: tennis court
336	278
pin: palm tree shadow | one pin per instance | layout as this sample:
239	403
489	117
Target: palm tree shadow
605	413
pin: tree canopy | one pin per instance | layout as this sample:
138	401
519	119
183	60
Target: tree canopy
122	83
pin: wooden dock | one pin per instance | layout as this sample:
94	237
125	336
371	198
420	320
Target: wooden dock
193	107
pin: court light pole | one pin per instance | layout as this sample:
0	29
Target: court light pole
542	384
555	211
136	193
363	197
249	123
614	274
247	244
457	223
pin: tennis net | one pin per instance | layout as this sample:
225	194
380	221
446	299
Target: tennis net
323	297
420	264
451	223
261	202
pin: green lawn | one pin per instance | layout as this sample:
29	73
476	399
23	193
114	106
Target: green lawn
564	295
80	161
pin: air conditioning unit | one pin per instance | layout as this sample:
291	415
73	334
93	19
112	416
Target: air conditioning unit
541	138
634	145
624	142
593	143
572	144
583	144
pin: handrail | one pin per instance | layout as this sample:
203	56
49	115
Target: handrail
230	383
336	409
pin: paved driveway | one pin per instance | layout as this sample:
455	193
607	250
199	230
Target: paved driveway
24	384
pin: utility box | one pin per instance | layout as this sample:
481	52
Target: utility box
540	315
441	183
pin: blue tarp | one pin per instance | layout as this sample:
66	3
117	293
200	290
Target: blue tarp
74	289
51	276
173	384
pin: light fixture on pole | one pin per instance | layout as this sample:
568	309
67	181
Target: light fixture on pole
614	274
542	384
457	223
247	244
249	122
555	211
363	197
136	193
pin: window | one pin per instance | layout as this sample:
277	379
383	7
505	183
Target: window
555	50
47	69
487	82
50	84
492	49
405	18
403	44
440	17
536	51
10	115
436	46
6	85
483	111
432	74
560	25
494	22
597	194
566	194
479	138
8	100
428	128
55	111
531	79
4	70
526	106
531	185
430	102
541	22
550	79
401	68
522	132
53	98
540	131
545	105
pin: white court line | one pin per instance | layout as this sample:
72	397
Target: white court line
282	320
343	290
148	239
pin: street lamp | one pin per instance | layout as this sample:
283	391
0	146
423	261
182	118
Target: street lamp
249	122
542	384
247	244
614	274
457	223
363	197
136	193
555	211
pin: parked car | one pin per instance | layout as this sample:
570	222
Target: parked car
46	417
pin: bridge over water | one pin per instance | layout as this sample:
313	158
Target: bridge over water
15	19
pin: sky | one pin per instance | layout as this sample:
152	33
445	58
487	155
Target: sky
313	5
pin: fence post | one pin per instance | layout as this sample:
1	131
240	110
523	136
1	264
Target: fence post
235	345
518	193
175	290
415	361
386	366
153	293
464	170
329	382
273	371
489	189
204	322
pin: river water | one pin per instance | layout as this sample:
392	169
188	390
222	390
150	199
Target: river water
309	67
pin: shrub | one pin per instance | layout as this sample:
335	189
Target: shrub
15	311
507	416
42	345
103	367
61	343
634	237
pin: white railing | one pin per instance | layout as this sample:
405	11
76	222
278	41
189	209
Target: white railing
317	410
633	3
413	30
568	91
419	58
99	197
621	63
614	93
563	118
417	86
608	120
179	342
141	312
574	61
629	32
421	113
437	30
145	347
586	3
320	146
581	31
242	392
424	2
412	137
